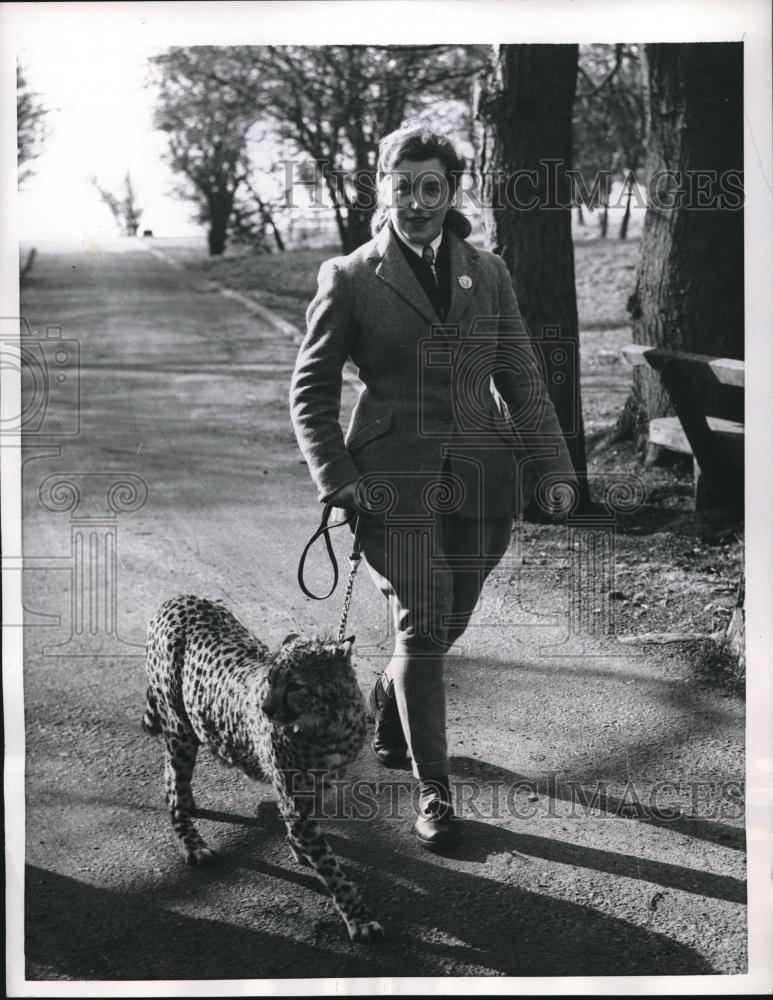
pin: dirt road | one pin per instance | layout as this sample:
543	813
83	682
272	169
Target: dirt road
183	393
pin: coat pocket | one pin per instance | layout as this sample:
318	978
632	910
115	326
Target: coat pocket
369	432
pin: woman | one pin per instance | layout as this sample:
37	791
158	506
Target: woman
452	405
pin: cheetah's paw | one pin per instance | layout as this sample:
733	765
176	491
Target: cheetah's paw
201	857
366	930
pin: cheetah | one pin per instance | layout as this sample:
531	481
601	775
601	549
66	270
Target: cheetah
280	716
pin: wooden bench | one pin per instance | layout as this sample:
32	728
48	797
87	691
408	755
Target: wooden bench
708	396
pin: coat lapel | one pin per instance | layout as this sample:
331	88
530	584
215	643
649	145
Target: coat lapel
395	270
465	266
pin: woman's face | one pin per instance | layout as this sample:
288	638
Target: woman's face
419	198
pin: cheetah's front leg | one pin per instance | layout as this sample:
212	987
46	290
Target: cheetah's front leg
309	846
179	760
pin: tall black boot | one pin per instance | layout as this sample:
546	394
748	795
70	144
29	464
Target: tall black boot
389	743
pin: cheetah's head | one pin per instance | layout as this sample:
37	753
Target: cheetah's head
311	687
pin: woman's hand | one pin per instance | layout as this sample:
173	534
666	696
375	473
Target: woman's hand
344	497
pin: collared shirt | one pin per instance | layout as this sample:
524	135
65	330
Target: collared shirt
438	292
418	248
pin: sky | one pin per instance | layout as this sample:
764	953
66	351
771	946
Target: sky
100	123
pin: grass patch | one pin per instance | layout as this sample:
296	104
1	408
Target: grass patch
604	275
284	282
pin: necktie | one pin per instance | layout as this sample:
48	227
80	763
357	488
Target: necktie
428	256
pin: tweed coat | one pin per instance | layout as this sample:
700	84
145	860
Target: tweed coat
449	415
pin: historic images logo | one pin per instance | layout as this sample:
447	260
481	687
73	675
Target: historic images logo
94	501
41	373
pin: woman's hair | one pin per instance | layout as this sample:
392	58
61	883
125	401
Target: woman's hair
415	141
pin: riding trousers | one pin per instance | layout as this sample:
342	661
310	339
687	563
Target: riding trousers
431	572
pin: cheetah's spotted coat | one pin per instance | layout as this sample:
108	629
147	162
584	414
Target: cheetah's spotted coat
277	716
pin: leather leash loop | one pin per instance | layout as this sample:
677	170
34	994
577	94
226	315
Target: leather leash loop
324	530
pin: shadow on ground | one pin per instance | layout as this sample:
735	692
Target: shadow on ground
475	926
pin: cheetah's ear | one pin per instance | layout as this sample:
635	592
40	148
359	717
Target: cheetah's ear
345	647
289	638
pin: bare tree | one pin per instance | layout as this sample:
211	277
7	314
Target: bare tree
123	206
608	125
328	105
334	103
208	99
31	130
252	220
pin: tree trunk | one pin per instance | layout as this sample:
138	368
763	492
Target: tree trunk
268	220
623	234
218	214
353	220
689	285
604	220
359	213
280	243
525	115
357	227
216	237
335	191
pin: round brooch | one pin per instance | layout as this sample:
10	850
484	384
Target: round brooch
465	281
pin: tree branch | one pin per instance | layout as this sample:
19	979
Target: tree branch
595	88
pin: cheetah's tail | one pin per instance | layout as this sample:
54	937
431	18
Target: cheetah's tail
151	723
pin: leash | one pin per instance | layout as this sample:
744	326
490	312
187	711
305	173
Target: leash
324	530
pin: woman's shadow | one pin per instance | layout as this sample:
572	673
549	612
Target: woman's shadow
483	839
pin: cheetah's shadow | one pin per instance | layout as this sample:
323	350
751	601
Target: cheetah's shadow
502	925
241	850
